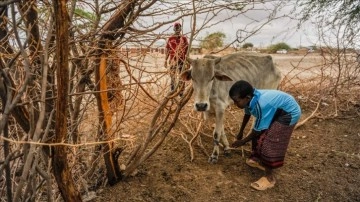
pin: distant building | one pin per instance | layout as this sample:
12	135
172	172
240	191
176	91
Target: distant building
149	49
142	49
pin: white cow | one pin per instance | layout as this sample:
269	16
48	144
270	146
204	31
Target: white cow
212	78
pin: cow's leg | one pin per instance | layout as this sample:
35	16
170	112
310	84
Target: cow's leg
225	143
217	134
206	115
220	121
215	154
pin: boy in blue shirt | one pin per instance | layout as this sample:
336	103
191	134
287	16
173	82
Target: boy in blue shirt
276	114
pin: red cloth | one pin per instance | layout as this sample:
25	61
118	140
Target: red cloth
177	47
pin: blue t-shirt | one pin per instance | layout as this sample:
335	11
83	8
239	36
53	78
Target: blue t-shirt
269	105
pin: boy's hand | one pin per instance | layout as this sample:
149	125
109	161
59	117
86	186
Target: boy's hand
238	143
240	135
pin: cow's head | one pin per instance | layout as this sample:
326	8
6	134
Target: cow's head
202	74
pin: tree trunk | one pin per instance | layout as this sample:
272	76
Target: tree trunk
62	172
110	33
112	168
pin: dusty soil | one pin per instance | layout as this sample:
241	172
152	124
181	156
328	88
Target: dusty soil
322	164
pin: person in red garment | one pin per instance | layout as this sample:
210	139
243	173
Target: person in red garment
176	50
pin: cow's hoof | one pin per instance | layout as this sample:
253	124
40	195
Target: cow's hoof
213	159
227	153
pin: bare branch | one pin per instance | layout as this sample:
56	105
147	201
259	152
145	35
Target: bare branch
8	2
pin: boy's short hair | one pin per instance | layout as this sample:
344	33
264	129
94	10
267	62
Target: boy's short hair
241	89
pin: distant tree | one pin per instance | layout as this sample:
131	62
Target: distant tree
336	19
213	40
278	46
346	12
248	45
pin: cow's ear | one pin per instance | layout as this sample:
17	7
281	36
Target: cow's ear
221	76
186	75
217	60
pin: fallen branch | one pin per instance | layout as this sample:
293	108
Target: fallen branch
194	138
309	117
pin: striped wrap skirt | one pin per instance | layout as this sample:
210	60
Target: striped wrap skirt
271	146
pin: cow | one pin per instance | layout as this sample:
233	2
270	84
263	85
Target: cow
212	78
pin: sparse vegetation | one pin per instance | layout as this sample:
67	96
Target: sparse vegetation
248	45
213	40
278	46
